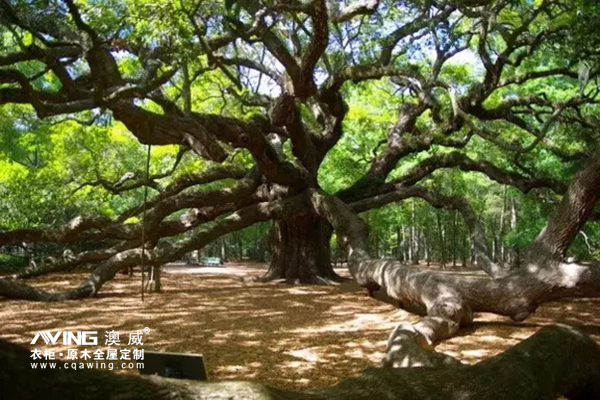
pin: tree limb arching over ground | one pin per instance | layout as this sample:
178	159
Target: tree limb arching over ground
449	302
290	67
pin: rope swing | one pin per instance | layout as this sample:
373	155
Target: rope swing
144	216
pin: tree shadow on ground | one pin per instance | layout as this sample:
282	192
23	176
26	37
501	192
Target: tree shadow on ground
287	336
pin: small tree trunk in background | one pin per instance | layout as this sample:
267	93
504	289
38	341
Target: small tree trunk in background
264	247
240	248
494	242
414	241
417	245
154	285
375	242
442	238
426	238
223	250
187	90
426	246
405	254
501	230
465	246
409	248
514	256
399	240
454	234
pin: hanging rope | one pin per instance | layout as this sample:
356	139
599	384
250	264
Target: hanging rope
144	216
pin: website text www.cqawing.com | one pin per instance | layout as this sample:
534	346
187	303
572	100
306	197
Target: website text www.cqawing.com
111	358
89	365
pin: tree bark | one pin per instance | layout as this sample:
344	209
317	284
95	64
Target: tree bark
301	251
575	208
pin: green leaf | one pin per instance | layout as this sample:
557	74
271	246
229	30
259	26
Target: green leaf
229	4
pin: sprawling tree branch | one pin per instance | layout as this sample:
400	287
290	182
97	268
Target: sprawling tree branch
448	302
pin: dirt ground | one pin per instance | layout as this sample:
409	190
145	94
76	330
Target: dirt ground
286	336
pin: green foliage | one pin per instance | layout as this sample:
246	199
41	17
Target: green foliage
10	263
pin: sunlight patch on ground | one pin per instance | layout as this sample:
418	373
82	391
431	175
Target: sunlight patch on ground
305	354
286	336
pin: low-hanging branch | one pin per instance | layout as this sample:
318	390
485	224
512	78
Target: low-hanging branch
114	259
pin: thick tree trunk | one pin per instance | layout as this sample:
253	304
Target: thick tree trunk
301	251
556	361
575	208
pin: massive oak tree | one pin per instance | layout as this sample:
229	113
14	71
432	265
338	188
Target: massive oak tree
287	67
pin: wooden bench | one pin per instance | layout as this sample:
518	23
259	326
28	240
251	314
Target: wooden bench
211	261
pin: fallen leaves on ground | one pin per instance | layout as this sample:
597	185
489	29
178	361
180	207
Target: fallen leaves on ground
285	336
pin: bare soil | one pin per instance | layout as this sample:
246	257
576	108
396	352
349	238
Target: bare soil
286	336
